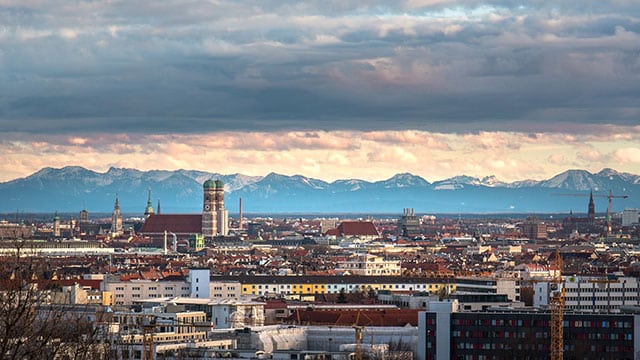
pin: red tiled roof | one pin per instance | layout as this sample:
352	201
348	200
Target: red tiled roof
275	304
175	223
94	284
355	228
333	232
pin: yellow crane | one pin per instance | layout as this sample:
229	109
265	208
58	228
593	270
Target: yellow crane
557	311
358	331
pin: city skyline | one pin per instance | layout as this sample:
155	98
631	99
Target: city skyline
329	90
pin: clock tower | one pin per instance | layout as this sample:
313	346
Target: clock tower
209	218
215	217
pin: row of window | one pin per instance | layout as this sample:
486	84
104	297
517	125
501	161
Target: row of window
151	288
598	289
500	322
397	286
602	298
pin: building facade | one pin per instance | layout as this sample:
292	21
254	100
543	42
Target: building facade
445	333
593	294
126	292
215	218
296	287
409	223
488	285
369	265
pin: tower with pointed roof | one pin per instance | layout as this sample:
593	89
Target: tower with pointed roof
591	214
148	211
116	219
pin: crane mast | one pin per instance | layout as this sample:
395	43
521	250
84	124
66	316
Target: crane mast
609	208
557	312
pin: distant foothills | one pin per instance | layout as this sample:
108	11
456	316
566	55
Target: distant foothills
74	188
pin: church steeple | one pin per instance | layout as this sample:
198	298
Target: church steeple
116	219
592	208
148	211
56	225
158	211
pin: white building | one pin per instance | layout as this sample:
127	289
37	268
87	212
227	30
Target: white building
535	271
629	217
489	285
587	293
369	265
199	282
220	313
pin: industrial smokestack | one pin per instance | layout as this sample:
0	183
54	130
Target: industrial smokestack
240	222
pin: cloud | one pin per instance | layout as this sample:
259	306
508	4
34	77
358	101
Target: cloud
630	155
430	65
329	155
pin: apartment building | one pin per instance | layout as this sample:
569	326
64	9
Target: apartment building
489	285
297	287
126	292
369	265
446	333
589	293
224	289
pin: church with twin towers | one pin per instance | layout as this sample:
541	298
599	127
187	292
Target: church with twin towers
211	223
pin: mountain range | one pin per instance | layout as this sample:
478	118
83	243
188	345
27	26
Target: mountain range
73	188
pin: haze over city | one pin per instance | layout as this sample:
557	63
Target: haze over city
328	89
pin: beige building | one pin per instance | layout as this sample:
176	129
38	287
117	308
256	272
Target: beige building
126	292
225	289
369	265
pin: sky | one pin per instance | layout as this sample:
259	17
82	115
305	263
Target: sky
330	89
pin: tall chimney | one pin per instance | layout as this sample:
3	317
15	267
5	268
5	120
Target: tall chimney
240	222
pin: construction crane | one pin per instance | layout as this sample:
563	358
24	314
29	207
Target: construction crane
557	311
358	331
609	209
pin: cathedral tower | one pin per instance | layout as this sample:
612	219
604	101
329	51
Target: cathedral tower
209	218
591	214
214	216
116	219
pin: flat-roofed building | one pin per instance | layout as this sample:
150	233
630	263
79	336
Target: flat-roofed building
446	333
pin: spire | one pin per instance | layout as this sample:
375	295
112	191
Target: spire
148	211
117	205
158	211
592	208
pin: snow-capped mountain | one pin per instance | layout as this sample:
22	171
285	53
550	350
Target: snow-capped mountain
459	182
74	188
403	180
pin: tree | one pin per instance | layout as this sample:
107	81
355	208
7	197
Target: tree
31	328
342	296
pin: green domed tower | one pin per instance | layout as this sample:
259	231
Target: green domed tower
209	184
56	225
214	215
